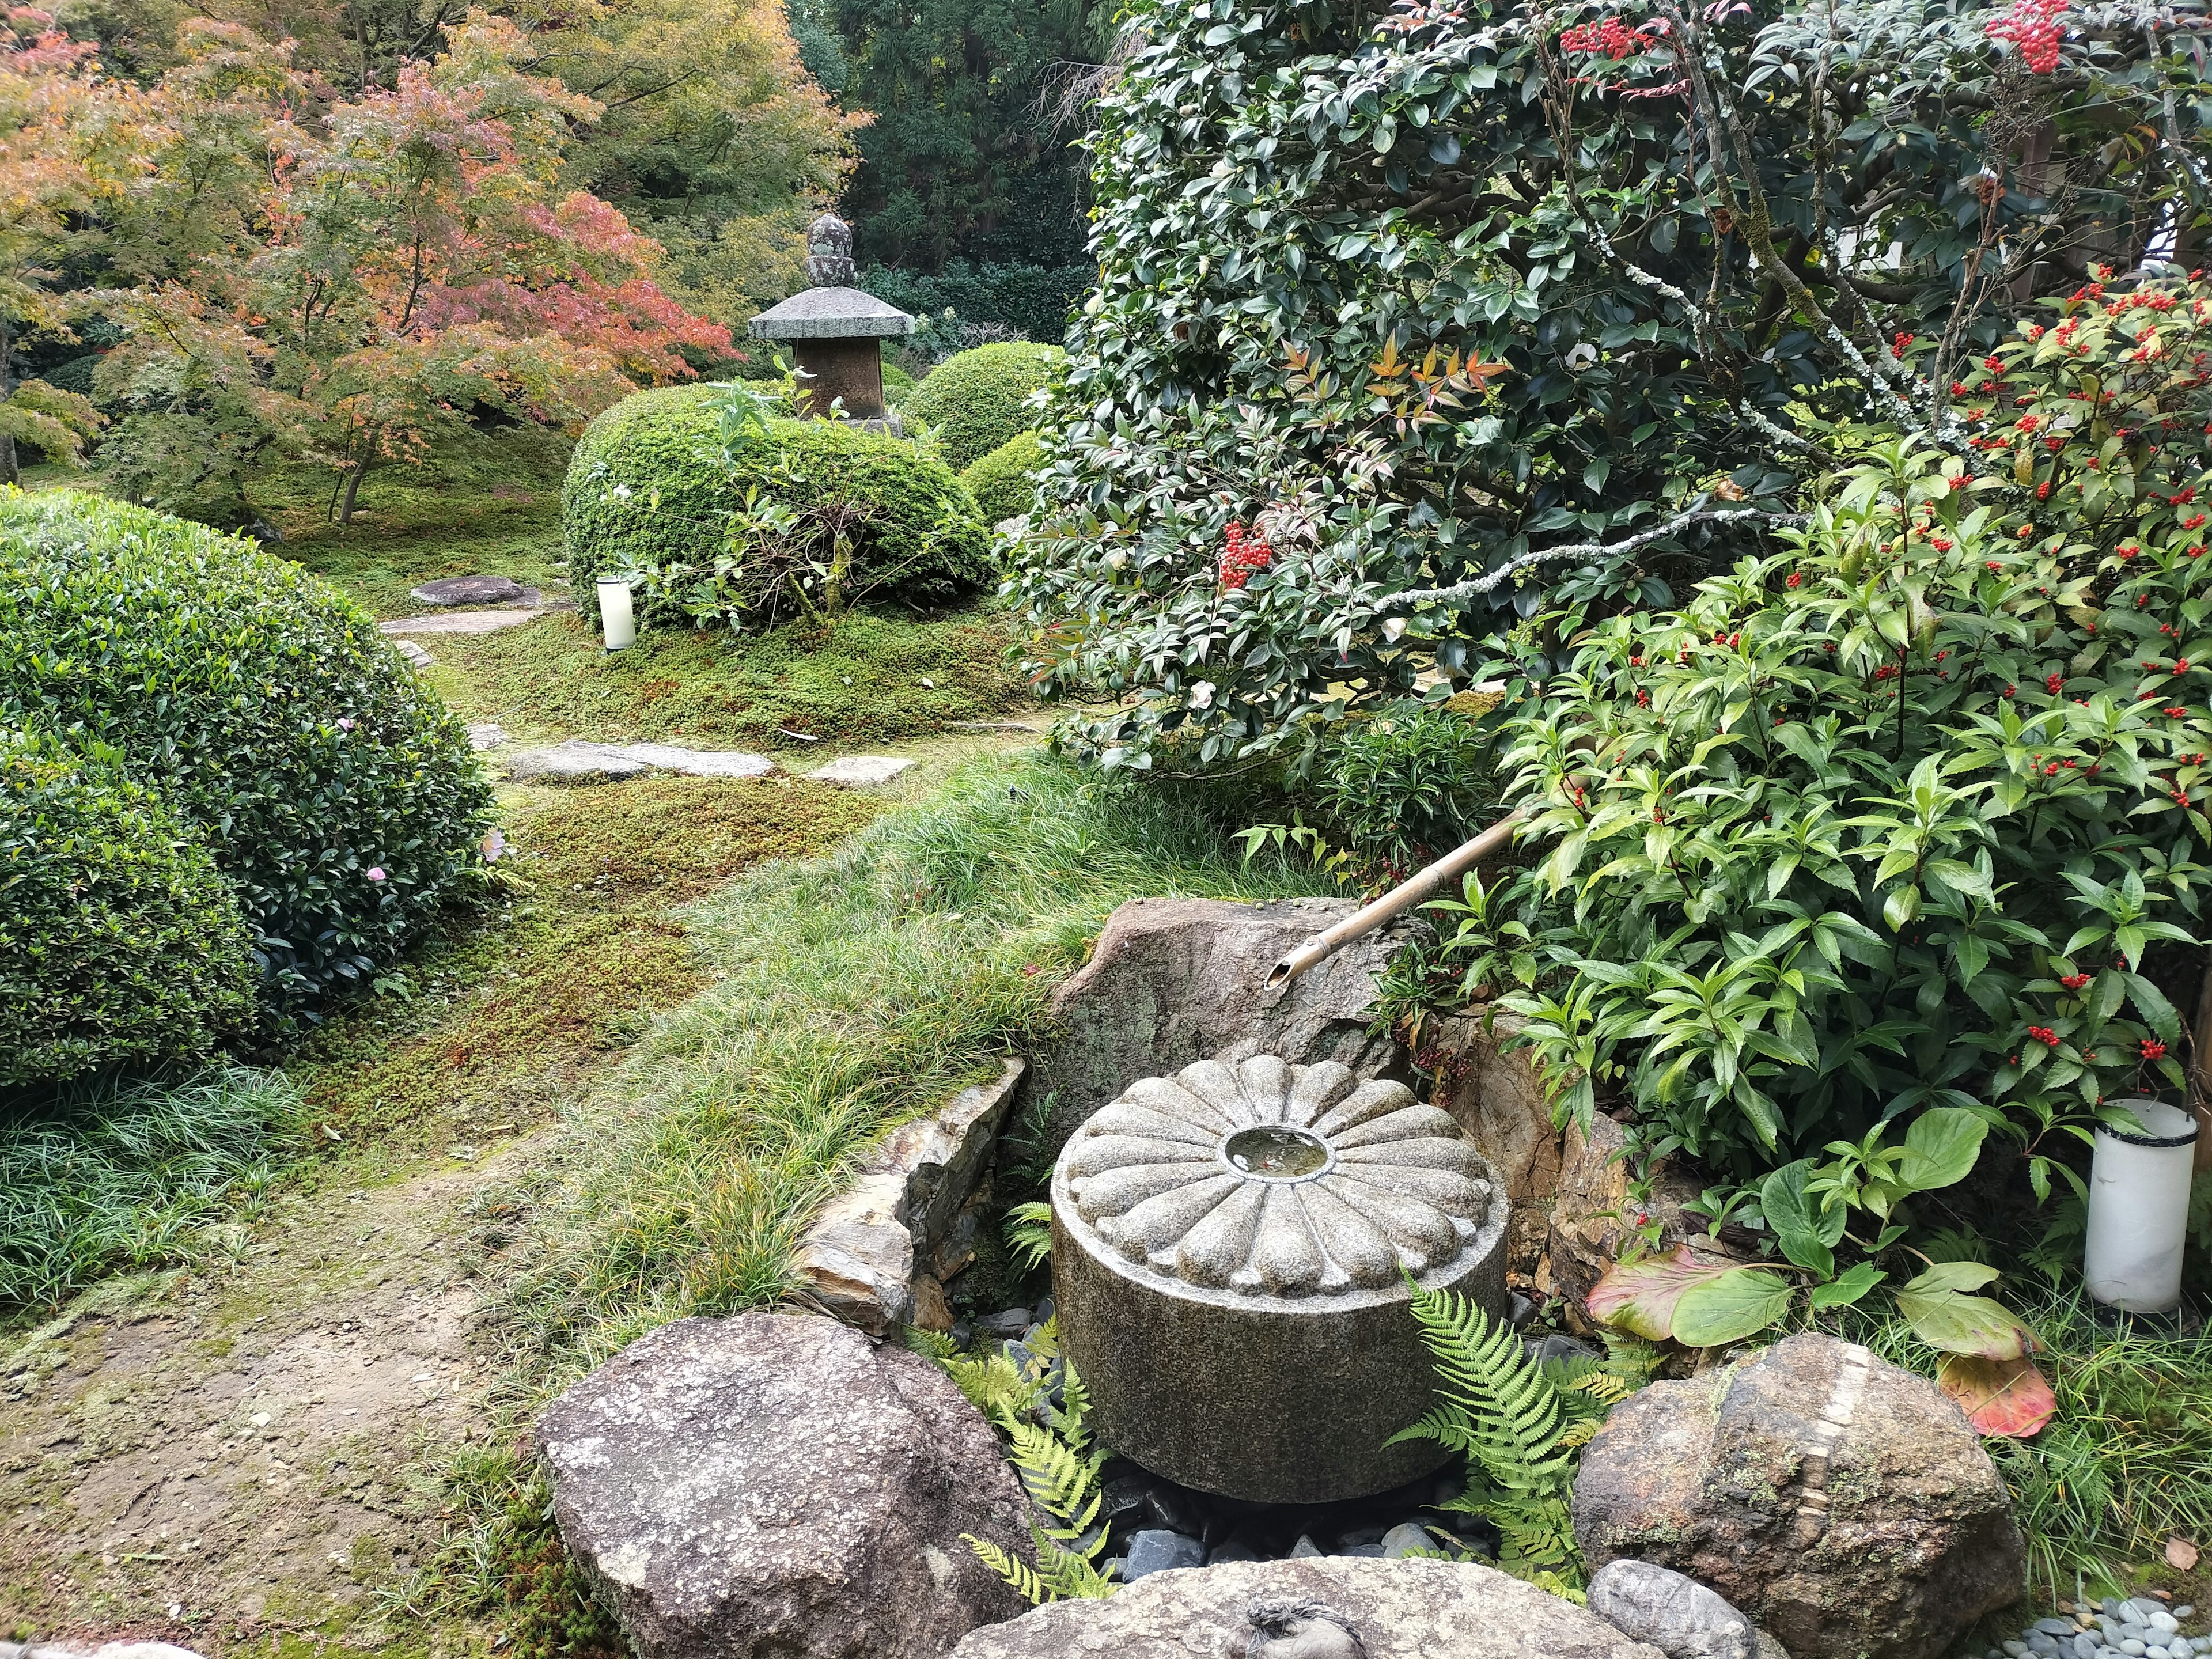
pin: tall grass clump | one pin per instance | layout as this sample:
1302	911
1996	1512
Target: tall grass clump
2123	1464
120	1175
853	992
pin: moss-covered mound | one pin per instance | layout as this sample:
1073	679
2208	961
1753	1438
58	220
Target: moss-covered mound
339	796
653	480
977	400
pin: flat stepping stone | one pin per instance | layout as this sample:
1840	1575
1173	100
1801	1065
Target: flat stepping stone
862	771
467	622
579	762
417	658
469	590
486	734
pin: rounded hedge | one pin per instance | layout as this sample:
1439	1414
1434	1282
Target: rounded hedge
977	400
1001	482
120	942
896	384
339	796
649	482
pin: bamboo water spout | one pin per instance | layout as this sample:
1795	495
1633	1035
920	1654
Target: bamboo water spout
1415	890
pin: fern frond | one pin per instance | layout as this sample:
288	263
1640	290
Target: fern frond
931	1344
1029	1233
1043	1341
1580	1432
1011	1568
1628	1358
1602	1386
995	1386
1060	1482
1510	1410
1075	1407
1068	1575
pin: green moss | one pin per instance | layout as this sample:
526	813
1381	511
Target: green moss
977	400
862	682
572	968
1001	482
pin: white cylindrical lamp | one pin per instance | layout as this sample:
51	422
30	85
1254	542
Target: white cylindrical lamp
2139	1209
617	618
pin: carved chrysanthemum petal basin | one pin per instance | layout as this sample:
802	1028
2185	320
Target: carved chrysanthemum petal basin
1266	1179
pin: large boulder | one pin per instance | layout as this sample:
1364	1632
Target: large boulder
1406	1610
778	1485
1843	1503
1497	1095
1174	980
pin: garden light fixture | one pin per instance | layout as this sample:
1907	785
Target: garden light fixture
617	617
2138	1209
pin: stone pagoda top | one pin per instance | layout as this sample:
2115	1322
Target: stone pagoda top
832	309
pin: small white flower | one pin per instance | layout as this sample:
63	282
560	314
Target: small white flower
1582	357
621	492
1201	695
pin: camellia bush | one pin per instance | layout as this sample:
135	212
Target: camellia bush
706	503
120	939
339	798
1910	814
1352	297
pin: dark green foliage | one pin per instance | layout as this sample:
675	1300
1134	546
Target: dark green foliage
1001	481
548	1599
959	159
1309	215
650	481
116	1175
119	940
264	707
1034	301
978	400
1409	784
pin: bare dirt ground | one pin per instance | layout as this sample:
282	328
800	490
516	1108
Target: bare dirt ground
235	1460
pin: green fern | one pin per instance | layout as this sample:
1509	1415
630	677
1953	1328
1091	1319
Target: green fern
1029	1232
1519	1425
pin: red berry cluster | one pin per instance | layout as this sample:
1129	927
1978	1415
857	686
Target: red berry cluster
2034	26
1608	38
2153	1048
2044	1035
1242	556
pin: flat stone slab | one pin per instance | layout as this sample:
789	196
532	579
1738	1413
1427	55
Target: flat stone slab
1331	1608
469	590
486	734
579	762
467	622
862	771
417	658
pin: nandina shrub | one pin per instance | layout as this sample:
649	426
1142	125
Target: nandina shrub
1910	811
120	942
338	795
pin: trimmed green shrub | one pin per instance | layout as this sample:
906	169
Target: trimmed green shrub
339	796
976	401
120	939
1001	482
896	384
652	481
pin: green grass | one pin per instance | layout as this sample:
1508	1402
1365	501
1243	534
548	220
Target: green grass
863	681
851	993
127	1176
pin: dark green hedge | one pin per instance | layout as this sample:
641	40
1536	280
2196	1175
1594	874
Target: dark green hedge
340	796
120	942
1001	482
978	400
649	482
1034	301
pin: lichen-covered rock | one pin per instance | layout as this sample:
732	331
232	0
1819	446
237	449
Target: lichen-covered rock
1843	1503
1396	1609
777	1485
1174	981
1498	1097
1676	1614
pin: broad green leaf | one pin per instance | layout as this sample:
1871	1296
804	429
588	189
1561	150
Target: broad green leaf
1955	1276
1955	1323
1940	1149
1740	1302
1849	1288
1639	1296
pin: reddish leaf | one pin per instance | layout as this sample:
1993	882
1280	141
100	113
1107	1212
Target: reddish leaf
2007	1397
1639	1296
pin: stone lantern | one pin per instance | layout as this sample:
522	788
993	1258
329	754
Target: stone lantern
835	330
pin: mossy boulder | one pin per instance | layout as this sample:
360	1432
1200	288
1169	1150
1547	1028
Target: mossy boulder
653	480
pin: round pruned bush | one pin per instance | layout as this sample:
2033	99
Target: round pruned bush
120	942
661	479
978	400
339	796
1001	481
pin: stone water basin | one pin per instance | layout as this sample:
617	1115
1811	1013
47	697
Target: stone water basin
1231	1254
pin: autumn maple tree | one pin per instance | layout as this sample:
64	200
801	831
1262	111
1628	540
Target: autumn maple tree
356	282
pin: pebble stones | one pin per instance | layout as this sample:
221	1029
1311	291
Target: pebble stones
2139	1628
1230	1248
